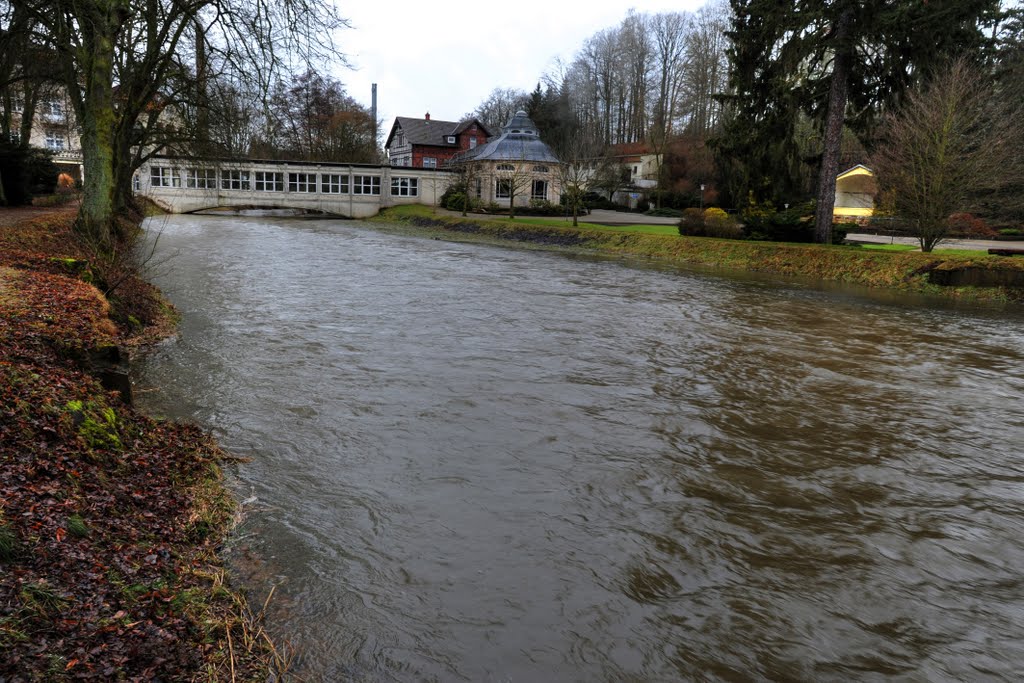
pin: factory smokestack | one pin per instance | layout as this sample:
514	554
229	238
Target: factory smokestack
373	111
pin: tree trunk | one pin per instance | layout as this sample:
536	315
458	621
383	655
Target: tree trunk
202	104
834	120
96	215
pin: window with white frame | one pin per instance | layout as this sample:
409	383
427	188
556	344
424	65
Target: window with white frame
479	188
234	180
503	188
451	139
366	184
506	167
201	178
334	183
302	182
472	143
54	141
539	189
268	181
15	137
540	169
405	187
429	162
163	176
136	182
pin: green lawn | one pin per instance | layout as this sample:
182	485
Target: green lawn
567	223
912	247
888	247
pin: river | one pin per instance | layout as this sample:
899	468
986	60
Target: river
480	463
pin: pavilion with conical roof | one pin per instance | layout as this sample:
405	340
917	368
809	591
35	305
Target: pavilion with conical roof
516	166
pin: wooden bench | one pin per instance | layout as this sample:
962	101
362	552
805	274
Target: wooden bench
996	251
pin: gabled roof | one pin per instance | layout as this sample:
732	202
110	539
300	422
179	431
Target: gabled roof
629	149
431	131
859	169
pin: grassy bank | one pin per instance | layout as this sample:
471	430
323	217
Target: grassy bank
109	520
908	271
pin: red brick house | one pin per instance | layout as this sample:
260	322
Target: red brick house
429	143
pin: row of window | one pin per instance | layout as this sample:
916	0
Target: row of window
503	189
54	140
274	181
428	162
511	167
53	108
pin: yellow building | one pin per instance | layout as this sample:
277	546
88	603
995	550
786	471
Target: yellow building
855	194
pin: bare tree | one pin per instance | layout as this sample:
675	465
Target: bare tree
513	179
499	107
147	49
578	171
670	33
705	69
467	176
950	144
315	120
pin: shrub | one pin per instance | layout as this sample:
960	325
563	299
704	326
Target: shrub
592	200
692	223
1011	232
795	224
716	215
967	225
26	172
712	222
455	201
540	207
455	197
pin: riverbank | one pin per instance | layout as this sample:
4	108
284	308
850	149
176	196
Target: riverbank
979	277
110	521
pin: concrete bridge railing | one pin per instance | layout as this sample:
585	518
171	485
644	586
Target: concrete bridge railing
352	190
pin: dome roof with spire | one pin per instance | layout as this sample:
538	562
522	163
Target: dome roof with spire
519	141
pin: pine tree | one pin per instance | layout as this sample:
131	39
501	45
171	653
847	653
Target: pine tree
840	62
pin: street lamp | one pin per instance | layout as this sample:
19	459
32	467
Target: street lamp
702	197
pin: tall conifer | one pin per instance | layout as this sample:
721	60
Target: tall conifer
853	57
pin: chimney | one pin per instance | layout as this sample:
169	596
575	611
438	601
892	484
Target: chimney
427	116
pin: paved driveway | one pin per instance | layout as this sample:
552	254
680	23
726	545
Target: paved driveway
978	245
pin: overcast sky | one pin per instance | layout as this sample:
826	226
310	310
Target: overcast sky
446	58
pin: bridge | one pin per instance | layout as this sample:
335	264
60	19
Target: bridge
351	190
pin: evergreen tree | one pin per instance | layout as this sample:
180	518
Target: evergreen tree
551	111
841	62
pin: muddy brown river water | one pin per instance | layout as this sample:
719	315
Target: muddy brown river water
477	463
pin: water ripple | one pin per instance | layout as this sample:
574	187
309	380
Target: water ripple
485	464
